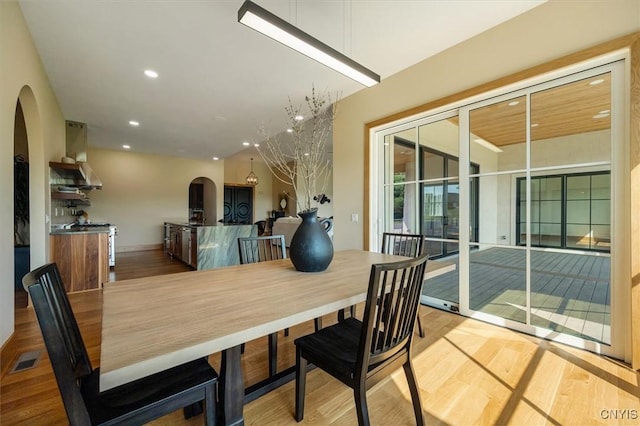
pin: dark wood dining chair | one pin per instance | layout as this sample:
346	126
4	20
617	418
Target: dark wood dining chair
361	353
261	249
409	245
185	386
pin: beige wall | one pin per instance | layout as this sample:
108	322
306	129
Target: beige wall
549	31
22	75
142	191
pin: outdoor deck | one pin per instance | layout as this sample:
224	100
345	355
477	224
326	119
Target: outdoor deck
569	292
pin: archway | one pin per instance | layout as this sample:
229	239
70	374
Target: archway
21	240
32	142
202	201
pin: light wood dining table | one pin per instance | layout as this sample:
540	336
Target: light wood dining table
152	324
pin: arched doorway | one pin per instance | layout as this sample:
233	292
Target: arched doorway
202	201
21	221
32	142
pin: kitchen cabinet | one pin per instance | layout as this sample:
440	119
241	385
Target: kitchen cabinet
193	248
175	241
82	258
196	196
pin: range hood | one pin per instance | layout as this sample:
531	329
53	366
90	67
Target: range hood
76	147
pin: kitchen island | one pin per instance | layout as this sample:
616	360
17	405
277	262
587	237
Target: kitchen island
82	256
206	247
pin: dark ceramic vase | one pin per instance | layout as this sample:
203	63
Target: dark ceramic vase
311	249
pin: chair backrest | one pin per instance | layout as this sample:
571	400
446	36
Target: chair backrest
62	337
391	310
260	249
261	224
409	245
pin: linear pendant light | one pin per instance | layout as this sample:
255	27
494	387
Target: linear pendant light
265	22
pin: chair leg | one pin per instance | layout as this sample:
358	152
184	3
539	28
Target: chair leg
362	410
317	323
301	381
286	332
341	315
415	393
420	329
273	354
242	348
353	311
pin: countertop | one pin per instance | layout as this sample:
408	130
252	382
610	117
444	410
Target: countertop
80	230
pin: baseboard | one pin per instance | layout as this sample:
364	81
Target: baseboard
139	247
7	354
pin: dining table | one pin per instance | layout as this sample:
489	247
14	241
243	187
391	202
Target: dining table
154	323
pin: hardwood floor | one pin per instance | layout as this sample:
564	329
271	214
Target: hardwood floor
469	372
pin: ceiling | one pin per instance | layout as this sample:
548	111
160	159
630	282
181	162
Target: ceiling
219	80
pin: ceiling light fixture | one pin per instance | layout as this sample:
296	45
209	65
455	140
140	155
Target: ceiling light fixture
246	143
252	179
134	123
126	146
265	22
487	145
216	158
151	73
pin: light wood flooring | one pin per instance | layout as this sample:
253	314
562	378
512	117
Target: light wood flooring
469	372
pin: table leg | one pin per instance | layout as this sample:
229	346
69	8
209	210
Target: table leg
231	388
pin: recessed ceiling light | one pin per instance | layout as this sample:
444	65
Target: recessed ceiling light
298	117
306	154
246	143
513	103
598	81
289	130
151	73
256	145
134	123
216	158
126	146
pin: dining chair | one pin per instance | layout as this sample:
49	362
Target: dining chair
409	245
185	386
261	249
361	353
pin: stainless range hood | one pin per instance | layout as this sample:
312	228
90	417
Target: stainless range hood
76	147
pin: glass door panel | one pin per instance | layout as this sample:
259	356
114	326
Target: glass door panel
497	266
571	123
439	208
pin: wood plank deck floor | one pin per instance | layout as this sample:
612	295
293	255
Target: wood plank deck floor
570	293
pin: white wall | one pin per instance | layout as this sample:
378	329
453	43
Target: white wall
22	75
142	191
549	31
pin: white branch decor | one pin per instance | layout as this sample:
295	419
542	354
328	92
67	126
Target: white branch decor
299	156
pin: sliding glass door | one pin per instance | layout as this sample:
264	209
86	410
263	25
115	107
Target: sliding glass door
515	193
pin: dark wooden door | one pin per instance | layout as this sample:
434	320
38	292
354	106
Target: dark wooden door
238	204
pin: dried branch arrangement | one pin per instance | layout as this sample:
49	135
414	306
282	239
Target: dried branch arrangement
299	156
